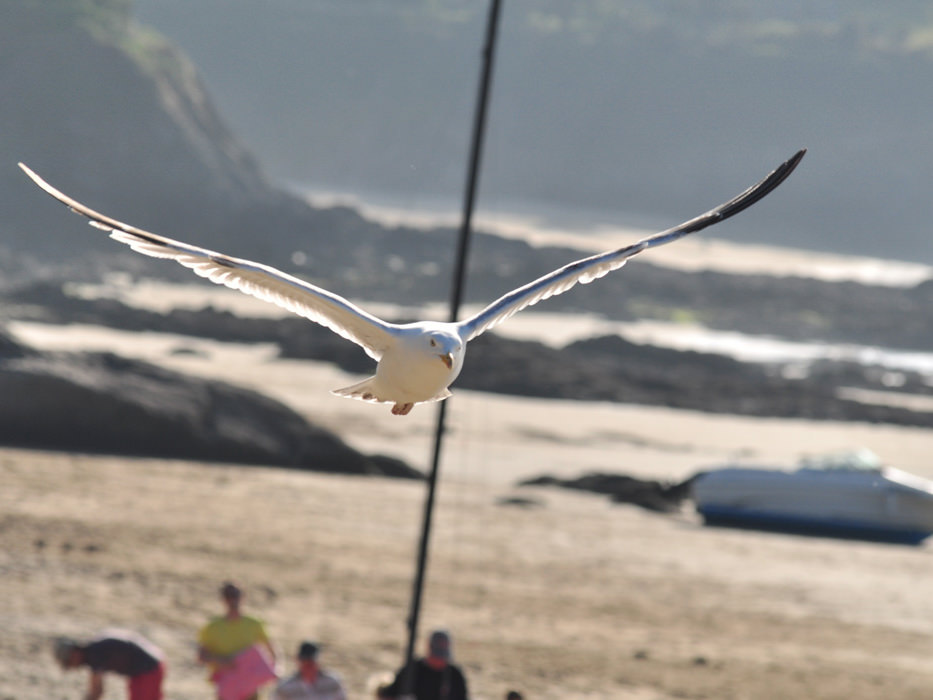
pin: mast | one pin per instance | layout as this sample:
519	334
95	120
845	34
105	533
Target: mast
469	198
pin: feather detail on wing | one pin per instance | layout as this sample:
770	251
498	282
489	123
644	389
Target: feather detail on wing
588	269
257	280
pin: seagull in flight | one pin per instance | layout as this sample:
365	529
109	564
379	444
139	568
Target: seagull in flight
416	362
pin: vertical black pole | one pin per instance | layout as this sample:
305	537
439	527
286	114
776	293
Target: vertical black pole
476	147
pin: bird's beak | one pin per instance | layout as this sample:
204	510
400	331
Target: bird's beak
448	360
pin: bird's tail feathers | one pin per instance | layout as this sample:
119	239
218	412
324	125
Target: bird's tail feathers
364	391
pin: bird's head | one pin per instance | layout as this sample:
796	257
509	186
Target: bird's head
428	353
446	346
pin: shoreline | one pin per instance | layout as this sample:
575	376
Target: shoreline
588	231
511	437
550	328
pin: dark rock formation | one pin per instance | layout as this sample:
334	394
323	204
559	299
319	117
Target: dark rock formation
599	369
650	494
109	110
111	113
519	502
613	369
107	404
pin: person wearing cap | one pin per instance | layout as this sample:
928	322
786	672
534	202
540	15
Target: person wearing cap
310	681
433	677
230	636
115	651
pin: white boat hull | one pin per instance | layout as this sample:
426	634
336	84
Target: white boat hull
883	504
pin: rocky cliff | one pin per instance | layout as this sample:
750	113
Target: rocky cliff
113	114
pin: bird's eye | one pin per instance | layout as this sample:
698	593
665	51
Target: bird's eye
433	343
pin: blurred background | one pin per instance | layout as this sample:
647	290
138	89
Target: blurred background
635	111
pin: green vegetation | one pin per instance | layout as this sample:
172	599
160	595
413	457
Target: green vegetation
671	314
154	54
814	320
107	21
765	27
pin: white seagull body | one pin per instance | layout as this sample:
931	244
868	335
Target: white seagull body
417	362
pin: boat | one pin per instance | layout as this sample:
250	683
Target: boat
849	495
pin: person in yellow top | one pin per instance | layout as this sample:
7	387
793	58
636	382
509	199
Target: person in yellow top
227	636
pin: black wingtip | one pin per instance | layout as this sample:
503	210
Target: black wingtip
739	203
794	160
763	188
780	173
788	166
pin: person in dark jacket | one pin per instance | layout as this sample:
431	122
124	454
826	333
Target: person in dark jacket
433	677
115	651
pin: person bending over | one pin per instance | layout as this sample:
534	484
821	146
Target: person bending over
115	651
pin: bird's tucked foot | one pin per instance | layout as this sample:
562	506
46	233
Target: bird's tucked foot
402	409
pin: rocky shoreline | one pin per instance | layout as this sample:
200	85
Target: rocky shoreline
598	369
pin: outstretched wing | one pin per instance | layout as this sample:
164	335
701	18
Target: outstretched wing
592	268
255	279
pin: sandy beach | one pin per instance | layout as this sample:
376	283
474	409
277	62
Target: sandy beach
573	597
